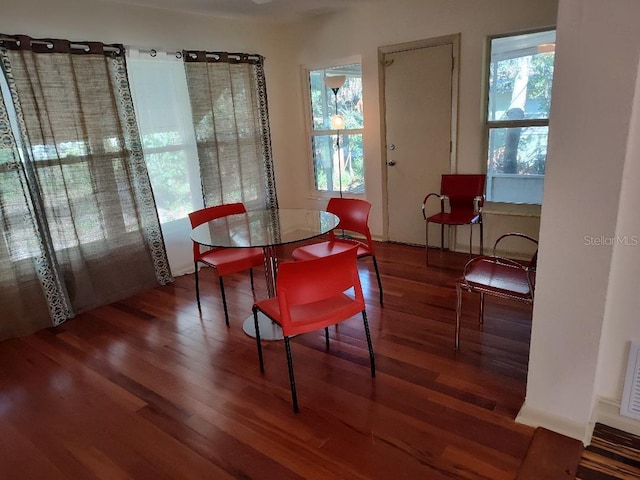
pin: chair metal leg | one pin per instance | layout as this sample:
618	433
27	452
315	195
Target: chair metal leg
257	327
481	237
426	243
195	266
442	237
326	337
470	240
292	380
224	302
375	265
458	314
481	309
368	334
251	277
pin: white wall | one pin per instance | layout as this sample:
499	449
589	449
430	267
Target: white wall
622	307
362	31
118	23
596	65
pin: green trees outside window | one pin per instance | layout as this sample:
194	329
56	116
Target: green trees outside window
338	155
519	94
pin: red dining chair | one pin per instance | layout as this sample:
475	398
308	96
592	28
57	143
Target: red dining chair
224	260
311	295
354	218
464	194
499	277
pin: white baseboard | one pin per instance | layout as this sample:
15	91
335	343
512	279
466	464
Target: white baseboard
537	418
607	412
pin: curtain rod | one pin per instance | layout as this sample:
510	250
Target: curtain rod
51	43
152	52
202	56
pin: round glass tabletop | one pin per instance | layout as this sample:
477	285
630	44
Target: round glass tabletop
264	228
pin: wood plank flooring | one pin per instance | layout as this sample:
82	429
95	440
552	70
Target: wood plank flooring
148	388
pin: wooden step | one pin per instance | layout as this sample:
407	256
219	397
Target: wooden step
551	456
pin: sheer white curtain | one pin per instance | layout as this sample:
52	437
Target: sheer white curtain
161	101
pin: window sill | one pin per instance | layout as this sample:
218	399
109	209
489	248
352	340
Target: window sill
512	209
327	195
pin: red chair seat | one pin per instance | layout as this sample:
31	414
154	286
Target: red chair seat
502	279
232	260
322	312
322	249
454	218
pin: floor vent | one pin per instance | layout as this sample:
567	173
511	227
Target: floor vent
631	396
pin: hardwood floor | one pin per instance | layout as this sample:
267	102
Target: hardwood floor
147	388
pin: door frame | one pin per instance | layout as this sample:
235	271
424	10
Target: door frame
454	41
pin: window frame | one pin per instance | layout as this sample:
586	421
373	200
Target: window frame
310	132
490	125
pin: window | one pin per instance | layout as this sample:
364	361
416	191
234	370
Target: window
161	100
520	79
337	155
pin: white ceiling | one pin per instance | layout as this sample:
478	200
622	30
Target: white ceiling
259	9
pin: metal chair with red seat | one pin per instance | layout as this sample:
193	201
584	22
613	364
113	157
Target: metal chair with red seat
464	194
498	277
354	218
225	260
312	295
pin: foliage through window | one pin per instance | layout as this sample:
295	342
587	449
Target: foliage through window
338	156
520	80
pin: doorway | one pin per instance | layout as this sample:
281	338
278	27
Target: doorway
420	86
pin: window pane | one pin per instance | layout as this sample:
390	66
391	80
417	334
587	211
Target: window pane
349	97
517	158
520	76
170	182
518	150
337	169
162	139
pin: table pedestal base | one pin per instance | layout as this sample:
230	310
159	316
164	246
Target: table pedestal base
268	330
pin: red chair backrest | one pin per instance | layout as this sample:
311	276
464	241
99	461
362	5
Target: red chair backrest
354	216
462	189
211	213
310	281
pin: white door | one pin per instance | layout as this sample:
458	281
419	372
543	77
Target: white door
418	85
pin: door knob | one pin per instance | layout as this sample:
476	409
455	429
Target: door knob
391	163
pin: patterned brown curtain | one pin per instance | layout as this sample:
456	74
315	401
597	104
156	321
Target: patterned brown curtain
231	121
24	264
84	173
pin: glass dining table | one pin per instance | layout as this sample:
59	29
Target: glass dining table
267	229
